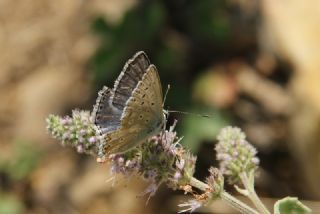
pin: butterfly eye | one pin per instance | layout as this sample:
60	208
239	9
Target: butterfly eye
152	104
140	116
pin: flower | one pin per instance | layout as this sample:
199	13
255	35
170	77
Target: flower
77	131
236	155
160	160
190	206
215	181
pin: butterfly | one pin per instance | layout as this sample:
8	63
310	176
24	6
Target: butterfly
132	111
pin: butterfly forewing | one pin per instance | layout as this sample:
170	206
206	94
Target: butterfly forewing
128	79
142	116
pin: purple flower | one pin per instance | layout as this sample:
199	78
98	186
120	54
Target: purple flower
190	206
177	176
92	139
151	189
82	132
180	164
215	181
65	136
66	121
80	139
80	148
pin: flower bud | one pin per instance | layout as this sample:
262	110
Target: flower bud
236	155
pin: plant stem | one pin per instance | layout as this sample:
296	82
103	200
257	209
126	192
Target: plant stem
252	195
199	184
237	204
229	199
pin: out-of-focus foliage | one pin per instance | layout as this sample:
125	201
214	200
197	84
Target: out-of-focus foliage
215	88
20	162
16	167
206	21
197	128
138	30
10	204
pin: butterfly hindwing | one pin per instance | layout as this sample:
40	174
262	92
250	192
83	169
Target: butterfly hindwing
105	116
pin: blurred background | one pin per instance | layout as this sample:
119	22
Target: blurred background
253	64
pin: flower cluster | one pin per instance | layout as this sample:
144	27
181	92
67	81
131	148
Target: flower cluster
160	160
76	131
215	181
127	164
236	155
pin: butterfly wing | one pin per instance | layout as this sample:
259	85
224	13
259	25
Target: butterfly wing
105	116
110	103
128	79
142	116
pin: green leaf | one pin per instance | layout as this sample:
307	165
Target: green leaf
290	205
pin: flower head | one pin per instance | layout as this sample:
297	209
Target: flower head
236	155
77	131
160	160
216	182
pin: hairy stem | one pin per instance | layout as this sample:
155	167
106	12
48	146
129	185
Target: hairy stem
229	199
199	184
252	195
237	204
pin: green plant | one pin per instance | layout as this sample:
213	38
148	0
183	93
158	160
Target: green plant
163	160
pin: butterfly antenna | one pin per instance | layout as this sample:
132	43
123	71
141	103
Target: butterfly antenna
165	95
188	113
166	116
